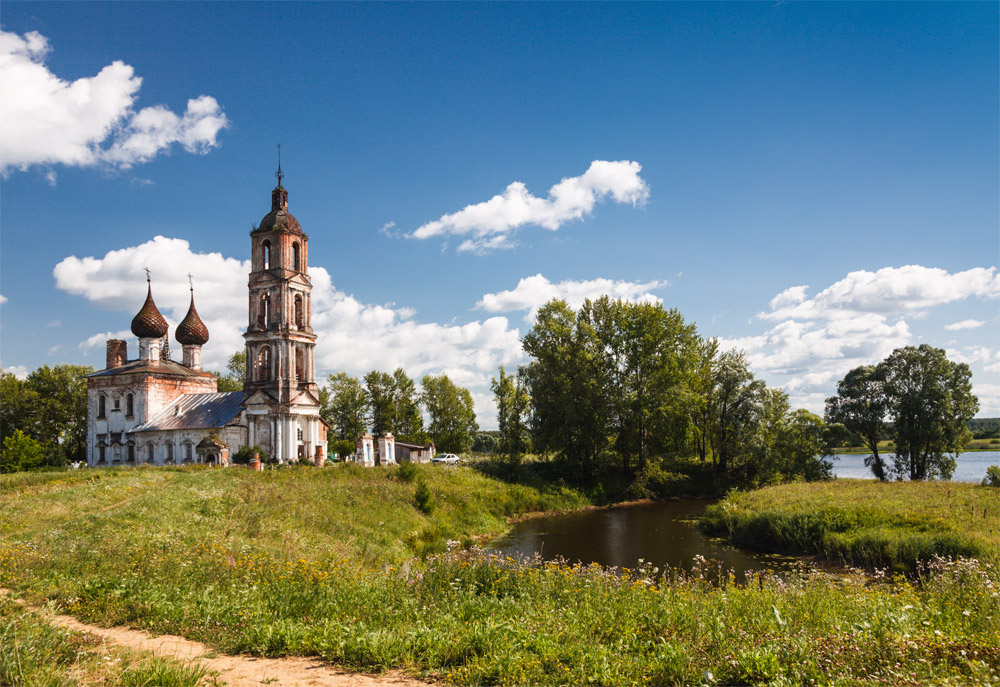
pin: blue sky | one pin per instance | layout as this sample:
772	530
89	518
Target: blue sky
717	157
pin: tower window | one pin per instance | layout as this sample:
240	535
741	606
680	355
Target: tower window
295	256
299	314
264	364
266	246
264	311
300	363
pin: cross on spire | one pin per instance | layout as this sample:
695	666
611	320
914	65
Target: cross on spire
279	174
191	281
147	273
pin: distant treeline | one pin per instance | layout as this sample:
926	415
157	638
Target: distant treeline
984	427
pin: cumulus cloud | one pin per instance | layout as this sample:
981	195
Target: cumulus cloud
3	299
906	289
353	336
19	371
532	293
964	324
856	321
490	224
90	121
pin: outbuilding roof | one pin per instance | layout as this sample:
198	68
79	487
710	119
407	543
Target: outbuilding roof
196	411
159	368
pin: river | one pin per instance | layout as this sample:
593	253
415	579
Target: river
664	533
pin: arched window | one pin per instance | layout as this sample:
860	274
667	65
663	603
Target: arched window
266	246
102	406
116	403
131	452
188	452
150	452
295	256
169	451
264	364
264	311
129	405
299	312
100	453
300	363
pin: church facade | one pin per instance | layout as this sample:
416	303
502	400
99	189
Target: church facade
152	410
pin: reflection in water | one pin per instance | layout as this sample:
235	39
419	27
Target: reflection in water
663	534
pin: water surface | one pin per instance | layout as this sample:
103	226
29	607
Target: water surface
971	466
663	534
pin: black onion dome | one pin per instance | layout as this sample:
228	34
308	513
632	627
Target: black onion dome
192	330
279	219
149	323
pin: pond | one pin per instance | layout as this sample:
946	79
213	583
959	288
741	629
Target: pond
971	466
663	534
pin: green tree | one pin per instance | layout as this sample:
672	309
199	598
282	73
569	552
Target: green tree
735	407
380	389
930	400
407	423
861	405
346	410
17	406
451	413
513	409
568	382
20	452
59	418
236	379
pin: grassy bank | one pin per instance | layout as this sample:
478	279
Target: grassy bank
865	523
319	562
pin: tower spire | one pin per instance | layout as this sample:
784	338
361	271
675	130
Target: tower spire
279	173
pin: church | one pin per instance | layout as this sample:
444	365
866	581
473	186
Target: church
152	410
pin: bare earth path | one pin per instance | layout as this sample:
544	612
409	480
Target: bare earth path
234	671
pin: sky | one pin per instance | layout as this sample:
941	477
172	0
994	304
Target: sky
814	184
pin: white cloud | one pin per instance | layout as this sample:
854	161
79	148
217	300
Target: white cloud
964	324
353	336
856	321
90	121
491	223
906	289
989	399
532	293
19	371
3	299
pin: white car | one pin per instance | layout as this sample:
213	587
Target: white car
446	458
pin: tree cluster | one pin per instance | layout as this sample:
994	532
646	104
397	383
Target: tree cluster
634	382
43	418
917	398
383	402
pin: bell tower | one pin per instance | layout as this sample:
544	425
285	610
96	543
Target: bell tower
280	395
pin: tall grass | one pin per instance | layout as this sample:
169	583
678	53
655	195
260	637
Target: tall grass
320	562
869	524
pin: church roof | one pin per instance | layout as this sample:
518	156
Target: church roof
196	411
279	219
162	368
148	322
192	330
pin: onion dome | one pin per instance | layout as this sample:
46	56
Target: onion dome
192	330
279	219
149	323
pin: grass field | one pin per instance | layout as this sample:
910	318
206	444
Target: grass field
865	523
326	562
886	447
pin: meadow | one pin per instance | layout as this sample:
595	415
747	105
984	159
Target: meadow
864	523
341	563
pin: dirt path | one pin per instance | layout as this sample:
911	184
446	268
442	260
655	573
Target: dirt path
234	671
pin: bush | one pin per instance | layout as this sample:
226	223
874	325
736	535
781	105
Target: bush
20	452
243	456
406	472
423	499
992	476
343	447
